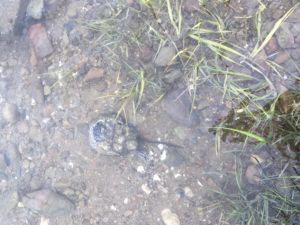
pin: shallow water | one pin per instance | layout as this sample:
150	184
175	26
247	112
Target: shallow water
171	78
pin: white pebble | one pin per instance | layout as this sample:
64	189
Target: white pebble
146	189
169	217
163	156
156	177
140	169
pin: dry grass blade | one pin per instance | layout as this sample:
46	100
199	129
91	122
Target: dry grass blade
275	28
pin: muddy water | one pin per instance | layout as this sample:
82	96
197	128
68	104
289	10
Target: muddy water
66	64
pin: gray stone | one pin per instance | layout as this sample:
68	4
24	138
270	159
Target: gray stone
295	53
8	11
165	56
8	202
172	76
10	113
48	203
13	159
285	37
177	104
35	9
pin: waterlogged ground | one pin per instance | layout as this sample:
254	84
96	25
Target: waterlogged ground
66	64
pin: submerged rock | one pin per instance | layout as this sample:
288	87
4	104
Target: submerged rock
8	201
111	135
40	41
10	113
169	217
48	203
165	56
35	9
177	104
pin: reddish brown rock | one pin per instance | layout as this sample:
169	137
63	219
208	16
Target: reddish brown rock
282	57
272	46
40	41
94	73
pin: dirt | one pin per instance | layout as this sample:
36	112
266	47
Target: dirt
57	77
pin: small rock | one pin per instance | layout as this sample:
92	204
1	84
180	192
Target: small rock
47	90
165	56
169	218
13	159
8	201
35	9
40	41
252	174
35	91
285	37
10	113
172	76
48	203
272	46
23	127
191	5
282	57
178	106
295	53
94	73
188	192
297	39
146	189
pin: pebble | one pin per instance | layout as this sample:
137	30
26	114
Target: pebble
165	56
13	159
297	39
40	41
48	203
8	201
146	189
10	113
35	9
295	53
282	57
172	76
94	73
169	218
252	174
178	107
272	46
188	192
285	37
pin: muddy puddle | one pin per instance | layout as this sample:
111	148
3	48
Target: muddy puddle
162	112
